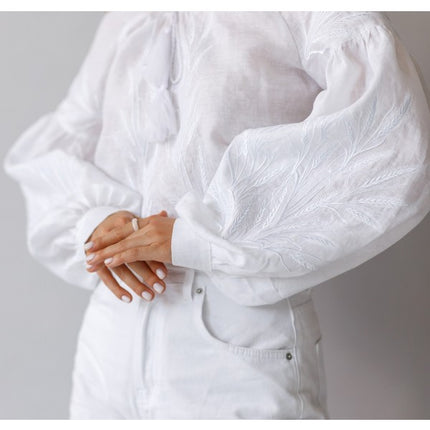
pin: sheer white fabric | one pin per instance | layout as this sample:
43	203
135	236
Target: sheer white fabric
290	146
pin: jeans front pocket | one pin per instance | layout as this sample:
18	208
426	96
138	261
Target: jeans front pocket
245	382
199	317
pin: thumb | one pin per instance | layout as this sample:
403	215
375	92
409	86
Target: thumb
163	213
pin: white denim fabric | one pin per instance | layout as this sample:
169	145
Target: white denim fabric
192	353
289	146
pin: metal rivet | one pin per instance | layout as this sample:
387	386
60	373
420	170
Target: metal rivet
289	356
199	290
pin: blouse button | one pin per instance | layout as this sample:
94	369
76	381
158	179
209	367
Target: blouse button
289	356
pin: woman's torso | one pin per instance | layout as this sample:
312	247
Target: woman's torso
192	354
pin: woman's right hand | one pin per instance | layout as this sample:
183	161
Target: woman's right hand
150	271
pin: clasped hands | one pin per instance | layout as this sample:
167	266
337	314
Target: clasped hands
136	257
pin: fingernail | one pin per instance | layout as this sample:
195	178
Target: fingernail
125	299
88	245
90	257
160	274
108	260
147	296
158	287
89	266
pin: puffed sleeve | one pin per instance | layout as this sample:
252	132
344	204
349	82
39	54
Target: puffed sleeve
293	205
66	195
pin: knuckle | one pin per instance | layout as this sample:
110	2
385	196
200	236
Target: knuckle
128	277
114	288
118	291
151	234
136	285
151	279
119	259
124	220
143	275
116	248
121	272
102	274
109	284
116	223
127	244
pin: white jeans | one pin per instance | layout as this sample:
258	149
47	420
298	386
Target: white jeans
192	353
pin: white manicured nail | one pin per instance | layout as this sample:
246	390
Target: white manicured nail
160	273
125	299
158	287
90	257
147	296
88	245
108	260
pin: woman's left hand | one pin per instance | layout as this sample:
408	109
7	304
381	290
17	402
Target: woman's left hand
124	245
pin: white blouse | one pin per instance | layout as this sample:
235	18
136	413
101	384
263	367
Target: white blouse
289	146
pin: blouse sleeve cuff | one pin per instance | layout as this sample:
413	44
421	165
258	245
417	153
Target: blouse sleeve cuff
188	248
89	221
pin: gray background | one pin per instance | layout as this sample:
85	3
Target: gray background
375	319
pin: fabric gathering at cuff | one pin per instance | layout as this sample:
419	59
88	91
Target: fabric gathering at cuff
89	221
188	248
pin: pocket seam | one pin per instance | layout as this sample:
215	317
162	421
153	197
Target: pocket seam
321	394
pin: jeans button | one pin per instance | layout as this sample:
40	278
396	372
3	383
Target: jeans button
289	356
199	290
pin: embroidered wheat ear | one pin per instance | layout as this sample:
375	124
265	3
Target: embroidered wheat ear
292	206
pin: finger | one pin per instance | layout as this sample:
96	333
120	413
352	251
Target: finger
143	222
113	236
142	253
147	276
158	268
110	282
136	239
95	267
130	279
